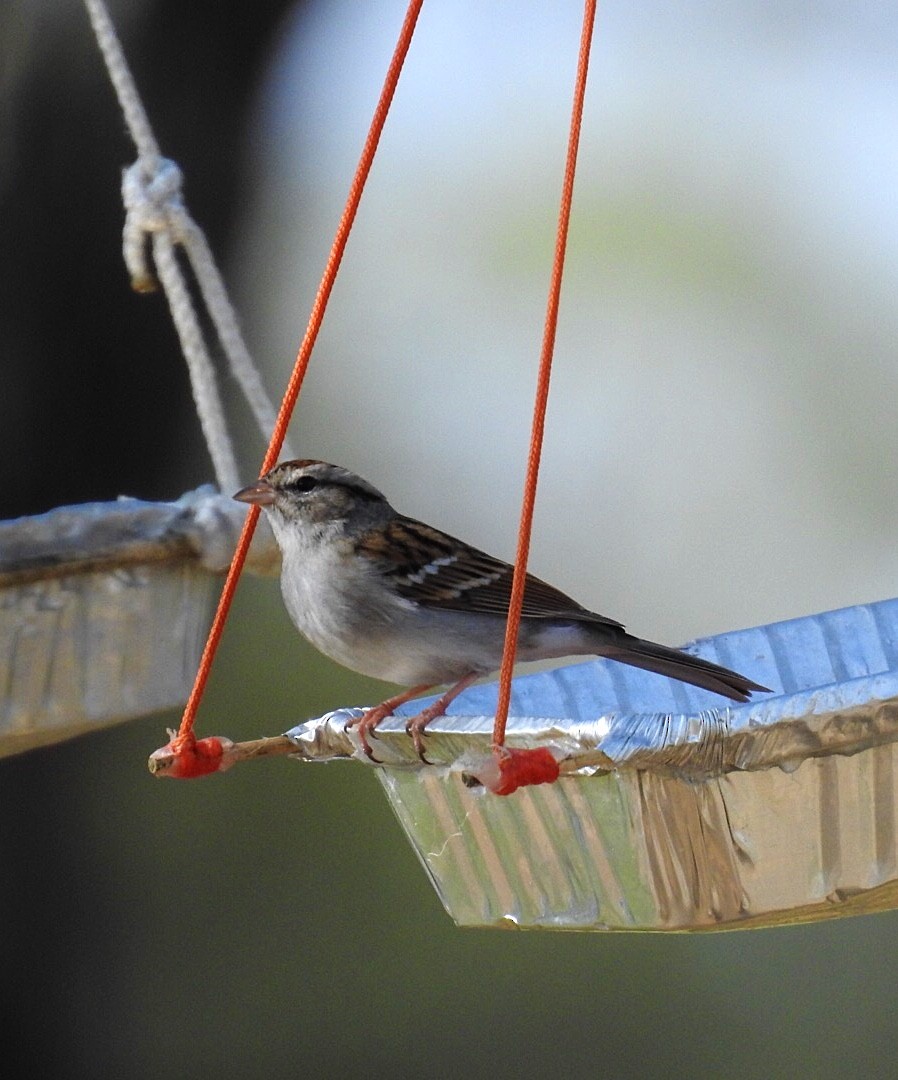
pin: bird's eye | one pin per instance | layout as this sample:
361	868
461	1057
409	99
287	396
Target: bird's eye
304	483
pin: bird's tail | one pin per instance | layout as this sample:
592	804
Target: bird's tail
637	652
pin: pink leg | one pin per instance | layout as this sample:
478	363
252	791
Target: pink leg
416	725
369	720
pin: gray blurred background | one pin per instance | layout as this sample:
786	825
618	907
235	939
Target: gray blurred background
718	454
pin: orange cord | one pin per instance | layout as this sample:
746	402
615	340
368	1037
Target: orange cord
185	732
542	390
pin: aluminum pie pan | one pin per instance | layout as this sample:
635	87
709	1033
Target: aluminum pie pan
780	810
104	609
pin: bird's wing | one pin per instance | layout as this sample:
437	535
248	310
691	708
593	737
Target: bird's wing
432	568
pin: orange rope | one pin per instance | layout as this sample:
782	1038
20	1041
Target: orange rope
542	389
185	732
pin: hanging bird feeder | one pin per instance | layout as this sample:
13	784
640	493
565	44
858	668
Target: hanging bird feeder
104	609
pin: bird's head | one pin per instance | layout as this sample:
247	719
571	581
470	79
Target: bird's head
314	493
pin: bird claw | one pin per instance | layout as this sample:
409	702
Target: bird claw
369	753
414	728
364	727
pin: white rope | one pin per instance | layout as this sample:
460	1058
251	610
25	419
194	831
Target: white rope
151	190
125	88
152	209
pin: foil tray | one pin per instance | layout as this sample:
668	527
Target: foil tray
104	609
84	651
671	813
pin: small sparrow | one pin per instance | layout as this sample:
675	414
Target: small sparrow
399	600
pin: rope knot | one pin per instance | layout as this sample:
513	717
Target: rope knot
151	192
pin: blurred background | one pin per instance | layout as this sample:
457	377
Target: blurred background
719	454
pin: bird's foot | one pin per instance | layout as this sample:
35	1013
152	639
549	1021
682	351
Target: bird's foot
416	724
365	726
369	720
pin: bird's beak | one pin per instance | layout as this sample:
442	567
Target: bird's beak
261	493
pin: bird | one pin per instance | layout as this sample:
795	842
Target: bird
399	600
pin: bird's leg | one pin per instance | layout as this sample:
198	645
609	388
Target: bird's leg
416	725
369	720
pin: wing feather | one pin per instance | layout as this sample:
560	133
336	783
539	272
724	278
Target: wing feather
432	568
